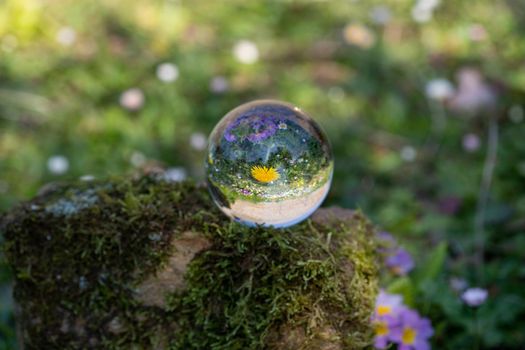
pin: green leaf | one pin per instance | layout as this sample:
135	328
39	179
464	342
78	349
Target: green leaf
433	265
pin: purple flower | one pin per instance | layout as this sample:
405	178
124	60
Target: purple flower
255	128
395	323
229	136
474	93
474	296
219	84
385	317
471	142
383	330
396	258
387	304
262	129
400	262
386	242
412	331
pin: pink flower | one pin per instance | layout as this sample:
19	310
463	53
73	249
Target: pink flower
471	142
477	32
474	94
132	99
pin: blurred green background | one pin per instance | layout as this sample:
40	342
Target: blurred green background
423	102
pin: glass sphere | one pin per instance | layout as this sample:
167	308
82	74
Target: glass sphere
268	164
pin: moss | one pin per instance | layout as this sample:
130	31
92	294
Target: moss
78	252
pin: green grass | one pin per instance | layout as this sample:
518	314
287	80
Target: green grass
366	90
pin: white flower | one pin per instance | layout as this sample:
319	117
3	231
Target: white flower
474	296
408	153
428	4
219	84
198	141
471	142
57	164
380	14
167	72
421	15
477	32
66	36
245	51
175	174
439	89
358	35
137	159
423	10
87	178
132	99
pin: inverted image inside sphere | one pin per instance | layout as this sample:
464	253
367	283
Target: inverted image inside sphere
268	164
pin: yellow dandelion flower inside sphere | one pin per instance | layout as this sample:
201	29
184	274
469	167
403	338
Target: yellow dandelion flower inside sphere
264	174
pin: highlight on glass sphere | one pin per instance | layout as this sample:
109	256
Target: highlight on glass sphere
268	164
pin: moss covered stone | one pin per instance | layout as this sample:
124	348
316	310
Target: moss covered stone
148	264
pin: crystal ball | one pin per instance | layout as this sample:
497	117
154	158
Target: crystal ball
268	164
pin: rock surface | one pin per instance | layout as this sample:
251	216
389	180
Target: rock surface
148	264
